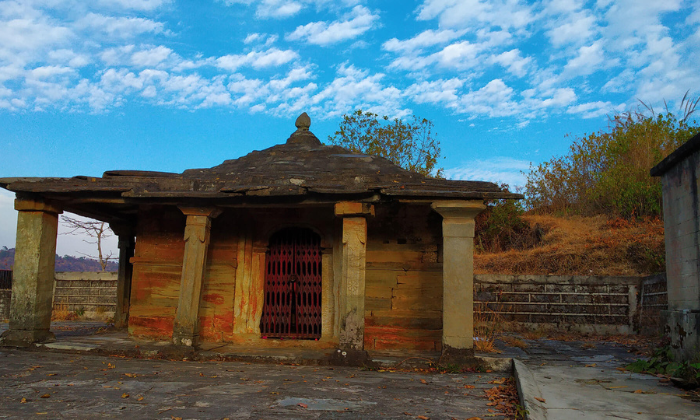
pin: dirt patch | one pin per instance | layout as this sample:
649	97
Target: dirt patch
576	245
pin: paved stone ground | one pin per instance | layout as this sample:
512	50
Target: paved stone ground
58	385
582	380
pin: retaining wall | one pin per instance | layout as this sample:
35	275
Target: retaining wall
603	305
95	293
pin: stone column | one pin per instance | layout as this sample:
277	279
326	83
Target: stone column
126	251
352	288
33	274
458	276
186	326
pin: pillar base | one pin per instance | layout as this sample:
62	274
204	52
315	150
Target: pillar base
452	355
25	338
683	328
349	357
181	338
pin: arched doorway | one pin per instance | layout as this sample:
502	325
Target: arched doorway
292	307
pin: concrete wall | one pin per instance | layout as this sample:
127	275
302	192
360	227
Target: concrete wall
572	303
95	293
682	226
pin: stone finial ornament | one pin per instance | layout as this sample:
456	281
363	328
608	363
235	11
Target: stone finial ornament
303	136
303	122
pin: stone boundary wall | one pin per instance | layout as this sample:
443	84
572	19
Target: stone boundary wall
602	305
653	298
93	292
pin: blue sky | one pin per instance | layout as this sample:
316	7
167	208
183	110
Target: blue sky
168	85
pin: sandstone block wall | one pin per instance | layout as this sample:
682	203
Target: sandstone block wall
95	293
573	303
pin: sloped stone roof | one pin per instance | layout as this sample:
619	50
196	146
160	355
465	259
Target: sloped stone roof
302	166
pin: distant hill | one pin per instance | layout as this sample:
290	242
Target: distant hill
65	263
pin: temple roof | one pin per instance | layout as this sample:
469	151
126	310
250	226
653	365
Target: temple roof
300	168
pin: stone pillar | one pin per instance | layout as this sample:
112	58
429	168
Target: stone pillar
33	274
126	251
352	281
458	276
186	326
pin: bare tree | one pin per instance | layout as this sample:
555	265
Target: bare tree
94	229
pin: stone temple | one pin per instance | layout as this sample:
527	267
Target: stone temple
301	245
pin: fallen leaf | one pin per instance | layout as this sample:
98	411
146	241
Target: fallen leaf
424	382
302	405
125	395
591	365
46	396
617	387
51	374
491	404
423	418
639	391
140	399
540	399
23	401
469	387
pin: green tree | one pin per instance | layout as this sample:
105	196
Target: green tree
608	172
411	145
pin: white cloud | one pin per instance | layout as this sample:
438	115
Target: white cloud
278	8
595	109
513	61
436	92
151	57
257	59
424	39
499	169
468	14
118	27
68	57
354	88
138	5
281	9
587	61
27	36
357	22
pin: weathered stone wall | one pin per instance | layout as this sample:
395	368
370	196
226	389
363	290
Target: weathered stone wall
403	296
682	227
5	298
233	284
573	303
653	300
95	293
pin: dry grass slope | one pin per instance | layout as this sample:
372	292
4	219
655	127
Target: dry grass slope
576	245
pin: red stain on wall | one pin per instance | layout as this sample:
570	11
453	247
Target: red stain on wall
214	298
213	328
152	327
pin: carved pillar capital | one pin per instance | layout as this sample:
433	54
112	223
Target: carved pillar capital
25	204
353	209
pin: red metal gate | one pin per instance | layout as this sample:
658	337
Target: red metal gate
292	306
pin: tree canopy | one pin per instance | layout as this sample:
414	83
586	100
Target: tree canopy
608	172
411	145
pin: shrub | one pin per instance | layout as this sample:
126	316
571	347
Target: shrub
608	172
501	227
